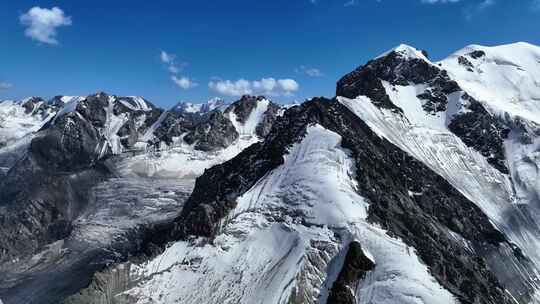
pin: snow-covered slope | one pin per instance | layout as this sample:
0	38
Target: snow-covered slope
475	125
20	118
226	131
505	80
259	260
201	108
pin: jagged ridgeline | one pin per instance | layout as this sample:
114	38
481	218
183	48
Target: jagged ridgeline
82	178
417	183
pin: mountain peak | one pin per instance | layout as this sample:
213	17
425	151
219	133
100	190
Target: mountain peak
212	104
407	52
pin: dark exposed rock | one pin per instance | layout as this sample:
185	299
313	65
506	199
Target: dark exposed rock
386	177
398	70
217	132
212	130
139	120
477	128
354	269
270	116
69	144
38	106
38	206
48	187
31	104
436	95
173	125
477	54
466	63
482	131
243	107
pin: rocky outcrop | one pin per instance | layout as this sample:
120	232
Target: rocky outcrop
406	198
243	107
265	125
395	68
38	106
477	128
140	119
38	204
354	270
214	133
482	131
48	187
208	126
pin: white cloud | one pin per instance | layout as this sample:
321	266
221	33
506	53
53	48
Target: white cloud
5	86
166	57
174	69
266	86
473	10
309	71
42	23
183	82
170	61
485	4
227	87
288	85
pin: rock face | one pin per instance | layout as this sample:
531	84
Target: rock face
396	67
247	108
386	177
404	66
482	131
355	268
19	119
211	127
215	132
47	188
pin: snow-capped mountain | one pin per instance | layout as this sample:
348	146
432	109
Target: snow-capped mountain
79	193
18	121
417	183
409	186
215	103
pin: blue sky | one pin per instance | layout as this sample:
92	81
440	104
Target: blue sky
291	49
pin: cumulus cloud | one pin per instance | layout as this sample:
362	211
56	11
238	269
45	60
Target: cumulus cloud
42	23
183	82
309	71
174	68
266	86
5	86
